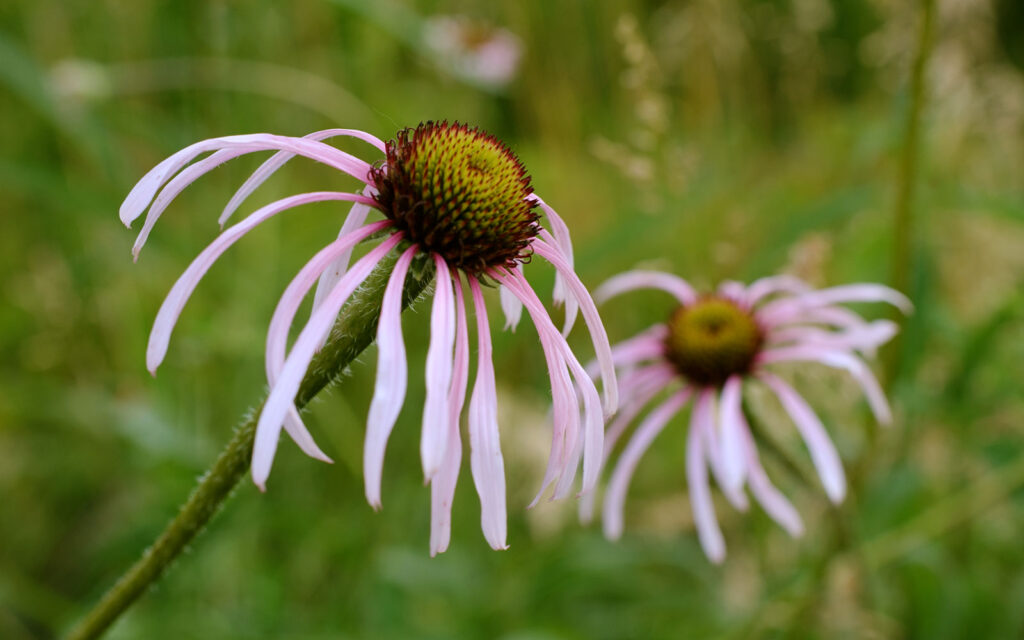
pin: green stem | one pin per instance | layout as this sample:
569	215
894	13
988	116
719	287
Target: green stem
903	218
352	333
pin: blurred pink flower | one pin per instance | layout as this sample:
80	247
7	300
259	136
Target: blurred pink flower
711	346
462	199
479	53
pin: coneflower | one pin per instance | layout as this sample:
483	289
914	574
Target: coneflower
458	198
710	347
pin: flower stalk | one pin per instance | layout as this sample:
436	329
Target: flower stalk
907	178
352	332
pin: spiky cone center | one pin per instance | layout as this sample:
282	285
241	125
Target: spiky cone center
459	192
711	340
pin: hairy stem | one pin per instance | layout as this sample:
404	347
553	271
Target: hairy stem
352	333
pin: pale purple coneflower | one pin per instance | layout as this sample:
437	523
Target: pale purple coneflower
462	200
710	347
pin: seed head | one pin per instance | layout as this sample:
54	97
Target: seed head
459	192
711	340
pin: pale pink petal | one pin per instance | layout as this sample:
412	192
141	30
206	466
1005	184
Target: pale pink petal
733	460
632	350
355	219
434	436
593	440
142	194
615	499
560	232
565	402
640	388
632	280
485	458
734	291
838	360
288	305
704	418
442	487
298	432
511	306
771	499
827	316
189	175
708	533
565	415
639	349
865	338
788	307
179	294
771	285
286	385
392	377
279	159
823	452
598	335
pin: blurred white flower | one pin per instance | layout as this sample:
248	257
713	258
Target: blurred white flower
80	80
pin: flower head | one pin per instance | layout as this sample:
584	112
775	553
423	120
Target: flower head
708	349
458	198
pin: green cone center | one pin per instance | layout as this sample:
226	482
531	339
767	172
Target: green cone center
711	340
459	192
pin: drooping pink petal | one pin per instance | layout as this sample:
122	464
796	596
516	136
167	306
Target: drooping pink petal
865	338
593	438
838	317
788	307
640	387
823	452
298	432
733	459
632	350
771	285
485	458
561	293
598	335
280	158
705	419
434	437
708	533
771	499
392	377
838	360
442	487
632	280
288	305
565	415
356	218
286	384
179	294
638	349
187	176
734	291
511	306
615	499
142	194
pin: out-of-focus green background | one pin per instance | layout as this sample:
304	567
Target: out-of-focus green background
712	138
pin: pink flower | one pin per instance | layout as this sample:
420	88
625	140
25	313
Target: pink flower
710	347
459	198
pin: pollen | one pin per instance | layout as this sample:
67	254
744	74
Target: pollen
711	340
459	192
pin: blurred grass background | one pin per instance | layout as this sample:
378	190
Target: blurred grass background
713	138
